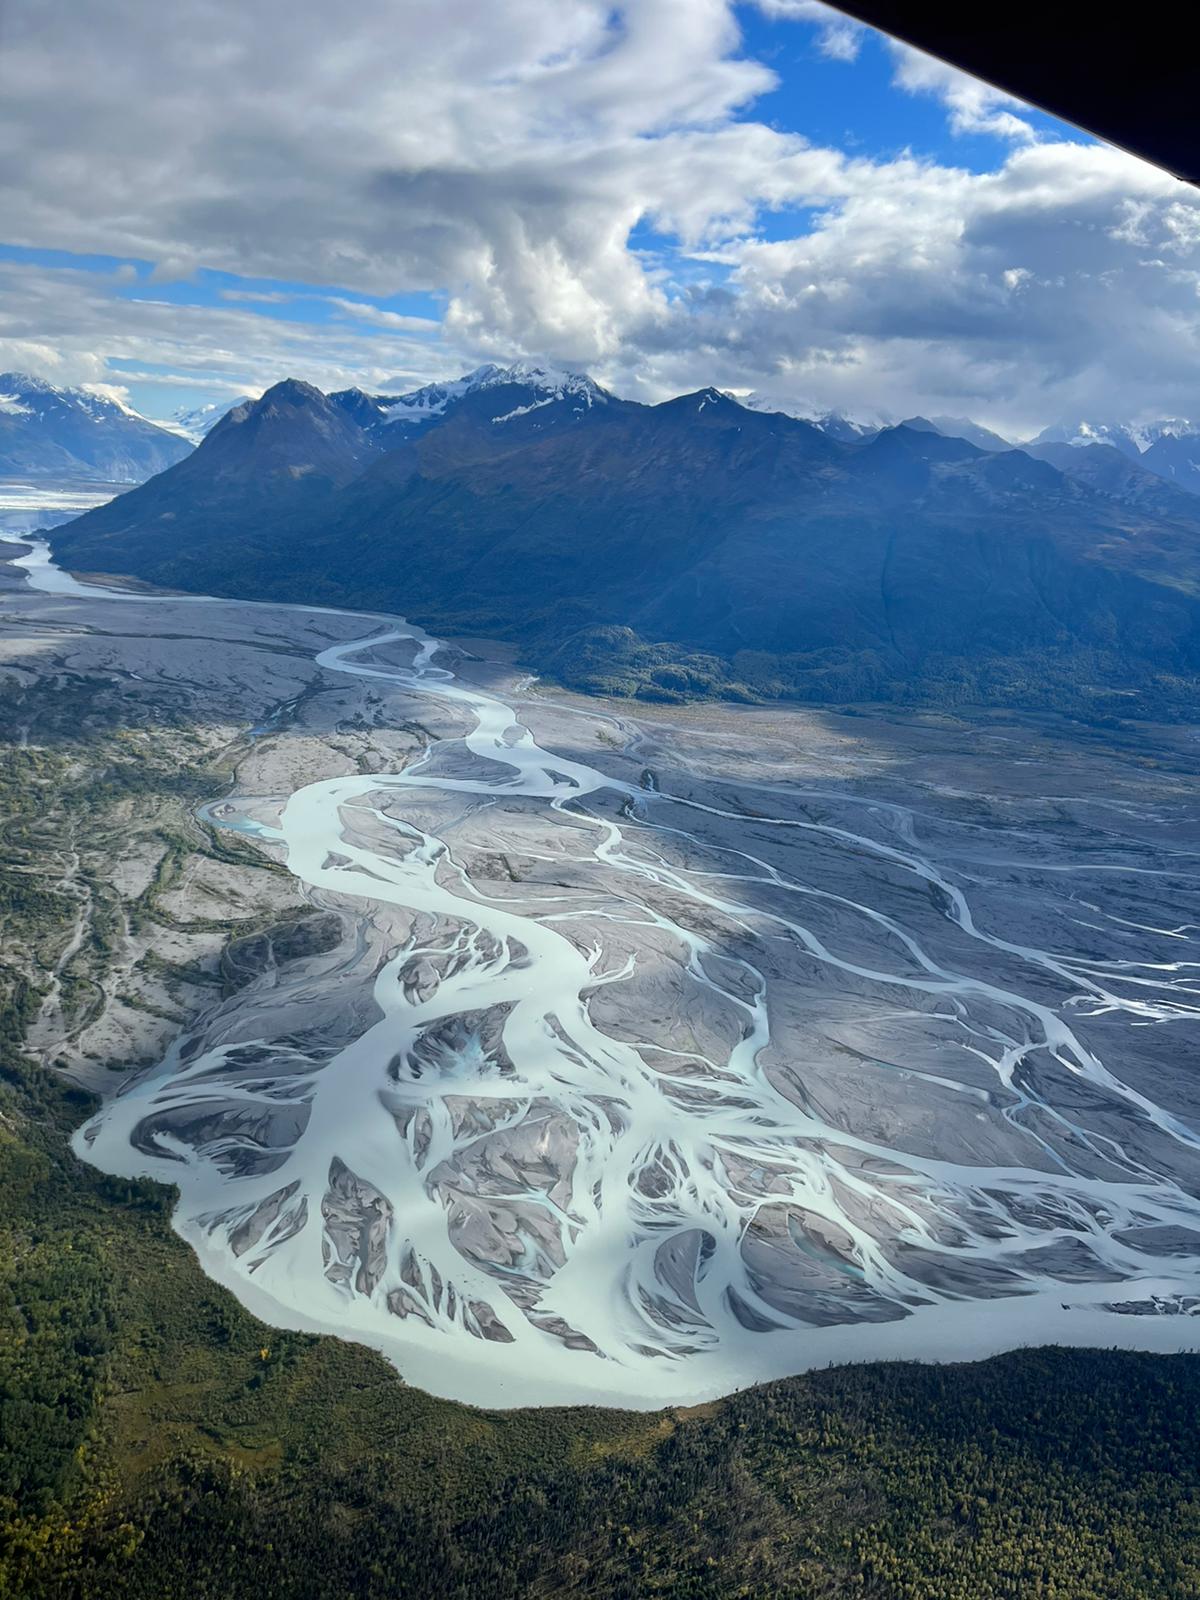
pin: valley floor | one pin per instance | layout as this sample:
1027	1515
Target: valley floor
892	1011
565	1055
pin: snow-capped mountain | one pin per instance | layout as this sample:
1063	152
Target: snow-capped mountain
432	399
517	390
414	408
847	430
1169	447
88	434
196	421
834	423
1149	433
509	391
1119	435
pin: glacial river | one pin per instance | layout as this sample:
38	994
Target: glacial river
518	1206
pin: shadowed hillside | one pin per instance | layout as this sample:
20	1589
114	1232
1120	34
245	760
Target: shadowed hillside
691	548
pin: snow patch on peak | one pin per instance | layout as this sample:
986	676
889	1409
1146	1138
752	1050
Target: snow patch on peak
521	411
22	384
1149	433
429	401
716	397
1132	439
556	382
1087	432
480	377
548	382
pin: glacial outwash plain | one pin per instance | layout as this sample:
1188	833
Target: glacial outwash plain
567	1052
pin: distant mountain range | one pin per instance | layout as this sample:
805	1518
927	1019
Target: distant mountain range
194	422
694	547
1168	449
48	433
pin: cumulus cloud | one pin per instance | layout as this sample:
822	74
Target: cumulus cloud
274	141
839	37
381	318
974	107
516	158
220	348
1016	295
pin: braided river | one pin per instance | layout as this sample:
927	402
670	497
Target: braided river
631	1083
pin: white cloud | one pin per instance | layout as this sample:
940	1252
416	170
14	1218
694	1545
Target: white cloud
839	38
380	318
117	392
184	380
1010	295
973	106
502	155
259	297
223	349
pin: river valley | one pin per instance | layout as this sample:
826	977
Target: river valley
630	1056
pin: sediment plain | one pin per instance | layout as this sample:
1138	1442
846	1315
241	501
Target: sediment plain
566	1050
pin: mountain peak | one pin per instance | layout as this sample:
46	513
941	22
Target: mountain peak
26	383
711	399
290	398
89	432
292	392
909	442
292	431
972	432
959	428
1086	432
557	381
919	425
541	383
1149	434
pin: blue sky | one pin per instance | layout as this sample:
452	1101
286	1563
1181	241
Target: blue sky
671	192
857	105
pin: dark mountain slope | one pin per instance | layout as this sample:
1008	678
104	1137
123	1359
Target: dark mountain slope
693	546
1110	471
964	428
476	527
265	461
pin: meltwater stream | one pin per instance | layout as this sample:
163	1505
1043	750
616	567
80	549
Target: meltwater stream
526	1188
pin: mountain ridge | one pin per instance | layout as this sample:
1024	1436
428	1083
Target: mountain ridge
733	550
